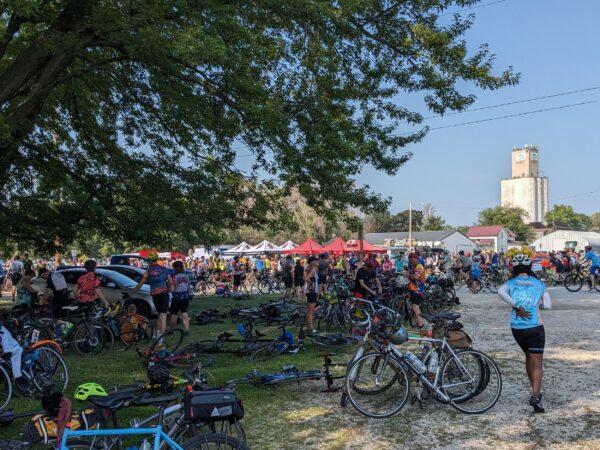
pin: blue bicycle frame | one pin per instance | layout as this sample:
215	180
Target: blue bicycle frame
157	432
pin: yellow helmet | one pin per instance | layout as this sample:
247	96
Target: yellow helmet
152	256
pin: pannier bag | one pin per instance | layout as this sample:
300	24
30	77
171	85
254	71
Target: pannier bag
212	406
457	338
42	429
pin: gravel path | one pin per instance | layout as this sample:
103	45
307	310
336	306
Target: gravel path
571	389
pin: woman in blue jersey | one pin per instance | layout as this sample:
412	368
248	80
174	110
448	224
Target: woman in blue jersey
527	295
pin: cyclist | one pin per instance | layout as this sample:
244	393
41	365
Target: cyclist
26	294
286	269
591	256
236	268
181	296
311	277
526	294
298	272
56	292
365	277
415	272
463	264
160	286
324	266
88	286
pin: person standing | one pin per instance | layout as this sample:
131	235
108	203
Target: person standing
323	270
415	272
236	268
526	295
27	263
56	292
160	286
311	277
26	294
286	270
16	273
182	285
298	273
365	278
88	286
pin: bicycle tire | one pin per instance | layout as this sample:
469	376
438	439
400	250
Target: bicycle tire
6	390
332	340
457	364
220	441
573	282
169	340
358	385
43	376
269	351
93	338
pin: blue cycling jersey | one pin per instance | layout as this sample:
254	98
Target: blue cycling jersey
591	256
526	292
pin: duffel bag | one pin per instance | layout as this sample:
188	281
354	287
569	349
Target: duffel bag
42	429
212	406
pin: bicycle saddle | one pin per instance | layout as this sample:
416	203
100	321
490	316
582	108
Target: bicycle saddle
147	399
112	401
440	316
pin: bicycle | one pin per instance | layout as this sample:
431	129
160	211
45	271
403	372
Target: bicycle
460	380
574	281
164	350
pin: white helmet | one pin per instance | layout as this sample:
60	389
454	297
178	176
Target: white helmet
521	259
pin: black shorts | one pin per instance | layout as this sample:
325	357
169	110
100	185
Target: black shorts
299	282
15	278
161	302
311	297
289	282
531	340
237	280
322	279
415	298
180	305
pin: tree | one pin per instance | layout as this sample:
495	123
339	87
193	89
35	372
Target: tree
431	221
120	118
595	221
401	220
512	218
378	222
565	216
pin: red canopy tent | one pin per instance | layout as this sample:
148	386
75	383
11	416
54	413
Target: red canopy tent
337	247
367	247
308	247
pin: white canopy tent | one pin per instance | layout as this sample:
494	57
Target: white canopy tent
241	249
265	247
289	245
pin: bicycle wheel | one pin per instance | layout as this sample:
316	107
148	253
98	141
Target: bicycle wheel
49	371
364	385
93	338
192	360
5	388
169	340
573	282
328	340
233	428
212	441
472	380
269	351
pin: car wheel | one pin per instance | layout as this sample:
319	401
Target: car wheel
143	308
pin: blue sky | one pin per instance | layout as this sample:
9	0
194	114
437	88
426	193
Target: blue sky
554	45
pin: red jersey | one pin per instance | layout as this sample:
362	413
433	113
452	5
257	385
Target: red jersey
86	287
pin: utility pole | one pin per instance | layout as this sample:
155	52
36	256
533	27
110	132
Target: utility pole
410	227
360	238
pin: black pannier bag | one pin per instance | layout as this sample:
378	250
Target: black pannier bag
212	406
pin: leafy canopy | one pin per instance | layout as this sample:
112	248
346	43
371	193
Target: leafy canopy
123	119
565	216
512	218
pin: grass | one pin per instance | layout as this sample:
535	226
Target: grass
283	403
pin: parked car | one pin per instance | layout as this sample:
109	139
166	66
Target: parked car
122	264
113	285
135	273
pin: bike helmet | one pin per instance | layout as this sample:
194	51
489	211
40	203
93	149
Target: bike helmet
398	337
86	390
158	374
152	256
330	298
402	281
521	259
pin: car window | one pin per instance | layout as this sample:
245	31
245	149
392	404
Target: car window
115	277
71	277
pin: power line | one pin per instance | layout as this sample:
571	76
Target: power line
472	7
574	195
514	103
502	117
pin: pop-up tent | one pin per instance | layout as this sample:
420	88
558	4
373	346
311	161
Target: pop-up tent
289	245
265	247
240	249
367	247
170	255
337	247
308	247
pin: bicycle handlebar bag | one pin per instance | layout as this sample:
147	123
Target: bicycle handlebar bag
212	406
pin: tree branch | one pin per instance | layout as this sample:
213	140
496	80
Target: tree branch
13	26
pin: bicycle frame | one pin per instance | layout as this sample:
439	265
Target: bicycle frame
157	432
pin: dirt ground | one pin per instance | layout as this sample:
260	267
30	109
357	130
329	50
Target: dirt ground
571	386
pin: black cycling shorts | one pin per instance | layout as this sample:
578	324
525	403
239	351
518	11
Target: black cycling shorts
531	340
237	280
415	298
322	278
161	302
180	305
311	297
15	278
289	282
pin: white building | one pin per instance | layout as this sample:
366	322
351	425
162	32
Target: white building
561	239
451	240
526	189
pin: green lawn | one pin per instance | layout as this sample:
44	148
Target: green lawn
270	411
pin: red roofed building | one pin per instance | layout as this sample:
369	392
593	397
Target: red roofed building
495	238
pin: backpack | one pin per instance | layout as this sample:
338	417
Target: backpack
42	429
